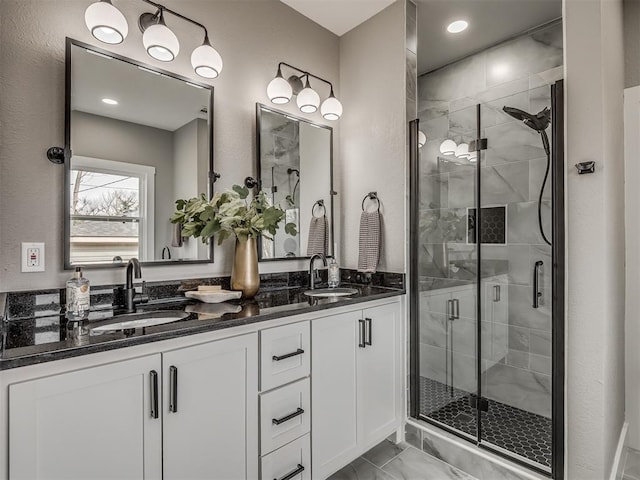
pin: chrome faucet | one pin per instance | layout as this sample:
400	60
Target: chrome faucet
314	276
125	299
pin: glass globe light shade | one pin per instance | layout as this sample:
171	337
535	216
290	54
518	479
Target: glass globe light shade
160	42
206	61
331	108
422	139
448	147
279	90
463	151
308	99
106	23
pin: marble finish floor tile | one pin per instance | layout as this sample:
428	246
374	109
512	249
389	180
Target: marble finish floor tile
632	465
360	469
385	451
413	464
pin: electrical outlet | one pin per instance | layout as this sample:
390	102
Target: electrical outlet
32	257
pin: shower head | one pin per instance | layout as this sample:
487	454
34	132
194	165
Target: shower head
293	170
539	122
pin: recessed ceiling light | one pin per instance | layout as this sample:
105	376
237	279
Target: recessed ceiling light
457	26
109	101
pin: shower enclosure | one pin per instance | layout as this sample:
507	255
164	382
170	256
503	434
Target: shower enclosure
487	288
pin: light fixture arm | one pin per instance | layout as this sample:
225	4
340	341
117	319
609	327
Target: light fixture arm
162	8
304	73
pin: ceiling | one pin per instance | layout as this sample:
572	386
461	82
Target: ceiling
490	22
338	16
143	97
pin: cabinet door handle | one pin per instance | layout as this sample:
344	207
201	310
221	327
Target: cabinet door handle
361	343
153	378
456	309
290	475
173	389
370	327
297	413
276	358
450	310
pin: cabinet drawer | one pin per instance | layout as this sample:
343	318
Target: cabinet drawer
284	415
284	355
292	462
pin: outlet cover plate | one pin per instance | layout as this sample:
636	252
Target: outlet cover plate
32	258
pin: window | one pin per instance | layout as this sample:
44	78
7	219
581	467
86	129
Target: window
111	211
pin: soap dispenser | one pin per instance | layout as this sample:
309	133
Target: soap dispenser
334	270
78	297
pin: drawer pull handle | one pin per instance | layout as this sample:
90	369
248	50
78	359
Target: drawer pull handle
287	355
361	334
297	413
369	328
290	475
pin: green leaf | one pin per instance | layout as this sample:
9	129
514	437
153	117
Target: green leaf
291	229
243	192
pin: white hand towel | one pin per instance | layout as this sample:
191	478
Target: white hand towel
369	242
318	236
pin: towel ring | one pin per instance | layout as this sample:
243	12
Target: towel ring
319	203
371	196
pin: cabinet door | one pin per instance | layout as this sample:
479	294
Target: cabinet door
379	382
210	410
334	434
94	423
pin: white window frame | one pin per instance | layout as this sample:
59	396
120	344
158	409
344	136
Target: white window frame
147	176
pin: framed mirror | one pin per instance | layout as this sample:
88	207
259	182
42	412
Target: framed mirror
295	169
137	138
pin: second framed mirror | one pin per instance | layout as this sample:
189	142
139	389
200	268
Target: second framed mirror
295	169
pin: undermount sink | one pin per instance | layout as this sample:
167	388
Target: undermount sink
139	320
331	292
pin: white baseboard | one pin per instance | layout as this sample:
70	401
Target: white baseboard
617	460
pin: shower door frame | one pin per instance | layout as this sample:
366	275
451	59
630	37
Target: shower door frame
558	291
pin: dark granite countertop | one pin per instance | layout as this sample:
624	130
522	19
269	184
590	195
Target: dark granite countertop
46	337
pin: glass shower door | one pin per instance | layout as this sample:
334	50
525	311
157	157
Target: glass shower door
515	279
447	370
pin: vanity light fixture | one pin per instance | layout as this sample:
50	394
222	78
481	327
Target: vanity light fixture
280	91
107	24
422	139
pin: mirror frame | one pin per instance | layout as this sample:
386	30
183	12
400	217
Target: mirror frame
70	42
259	108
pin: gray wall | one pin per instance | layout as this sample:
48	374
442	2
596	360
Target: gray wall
631	43
252	36
595	236
372	155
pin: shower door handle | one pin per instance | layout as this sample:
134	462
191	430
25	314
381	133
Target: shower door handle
496	293
537	294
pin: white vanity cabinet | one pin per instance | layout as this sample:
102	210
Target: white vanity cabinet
94	423
356	384
187	413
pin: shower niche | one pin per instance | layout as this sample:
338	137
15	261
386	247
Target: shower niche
487	218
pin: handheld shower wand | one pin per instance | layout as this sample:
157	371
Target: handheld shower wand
538	122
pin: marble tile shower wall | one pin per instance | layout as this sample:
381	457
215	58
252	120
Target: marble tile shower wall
517	73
